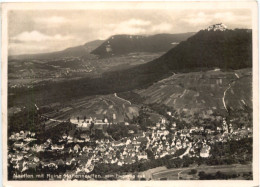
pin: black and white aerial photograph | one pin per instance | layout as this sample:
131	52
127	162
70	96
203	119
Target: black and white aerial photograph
130	93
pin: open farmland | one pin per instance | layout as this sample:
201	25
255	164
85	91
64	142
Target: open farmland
183	173
95	107
124	61
202	91
170	174
227	169
32	72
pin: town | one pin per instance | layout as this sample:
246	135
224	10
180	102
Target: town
102	95
75	154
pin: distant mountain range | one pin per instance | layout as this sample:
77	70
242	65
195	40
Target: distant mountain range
227	50
124	44
115	45
78	51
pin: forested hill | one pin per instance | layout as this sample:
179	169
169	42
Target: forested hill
227	50
124	44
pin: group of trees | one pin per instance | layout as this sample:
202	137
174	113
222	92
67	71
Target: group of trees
118	131
219	175
192	172
240	117
31	119
231	152
27	119
143	120
174	118
55	133
97	134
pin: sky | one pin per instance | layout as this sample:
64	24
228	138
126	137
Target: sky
38	31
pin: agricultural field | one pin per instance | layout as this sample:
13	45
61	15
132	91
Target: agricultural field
95	106
125	61
203	92
186	173
32	72
171	174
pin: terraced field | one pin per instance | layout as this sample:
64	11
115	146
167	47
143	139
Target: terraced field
202	91
240	93
95	107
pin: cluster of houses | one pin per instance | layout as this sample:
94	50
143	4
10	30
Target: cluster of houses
85	123
84	152
19	157
24	156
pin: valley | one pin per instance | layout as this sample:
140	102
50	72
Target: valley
129	109
33	72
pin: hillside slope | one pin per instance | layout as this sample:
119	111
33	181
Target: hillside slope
227	50
124	44
206	92
230	49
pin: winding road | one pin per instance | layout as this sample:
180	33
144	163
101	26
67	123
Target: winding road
224	95
223	98
122	99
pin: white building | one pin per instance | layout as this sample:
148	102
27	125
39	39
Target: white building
217	27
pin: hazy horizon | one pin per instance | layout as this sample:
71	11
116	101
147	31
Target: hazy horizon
38	31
